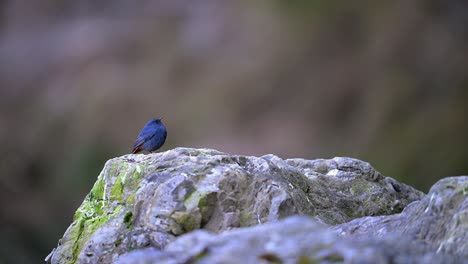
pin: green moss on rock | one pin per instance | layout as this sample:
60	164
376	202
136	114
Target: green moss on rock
246	219
188	221
116	184
463	189
194	199
128	219
126	182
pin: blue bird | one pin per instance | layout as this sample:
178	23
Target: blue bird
152	136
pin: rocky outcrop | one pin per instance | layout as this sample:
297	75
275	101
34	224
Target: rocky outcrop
439	220
140	204
294	240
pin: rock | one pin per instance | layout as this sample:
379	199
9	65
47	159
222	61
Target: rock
294	240
439	220
141	201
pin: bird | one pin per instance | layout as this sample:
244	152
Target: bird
151	137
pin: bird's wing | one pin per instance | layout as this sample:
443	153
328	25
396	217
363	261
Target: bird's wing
140	141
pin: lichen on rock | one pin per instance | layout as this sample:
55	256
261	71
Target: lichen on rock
109	197
141	201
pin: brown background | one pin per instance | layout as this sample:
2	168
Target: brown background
386	83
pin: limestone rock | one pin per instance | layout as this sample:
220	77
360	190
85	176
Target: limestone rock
143	201
432	230
439	220
294	240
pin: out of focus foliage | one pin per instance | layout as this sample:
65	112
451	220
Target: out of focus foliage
385	82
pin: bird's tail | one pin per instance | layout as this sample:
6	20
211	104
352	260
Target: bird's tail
136	149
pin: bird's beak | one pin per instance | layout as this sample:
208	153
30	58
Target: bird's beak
161	118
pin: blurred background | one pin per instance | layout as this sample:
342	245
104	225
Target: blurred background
383	82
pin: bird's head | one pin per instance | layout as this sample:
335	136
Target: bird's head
157	120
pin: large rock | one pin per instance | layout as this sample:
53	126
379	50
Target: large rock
439	220
432	230
143	201
294	240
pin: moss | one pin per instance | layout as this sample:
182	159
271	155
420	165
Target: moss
126	183
117	189
97	191
188	221
90	210
128	219
131	198
245	219
76	235
193	199
206	205
359	187
97	208
334	258
307	260
94	203
86	223
463	189
364	190
203	202
200	256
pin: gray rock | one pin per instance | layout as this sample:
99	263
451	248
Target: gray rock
143	201
439	220
294	240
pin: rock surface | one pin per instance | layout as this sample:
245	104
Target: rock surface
294	240
439	220
147	201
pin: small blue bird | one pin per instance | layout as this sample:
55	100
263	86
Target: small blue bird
152	136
